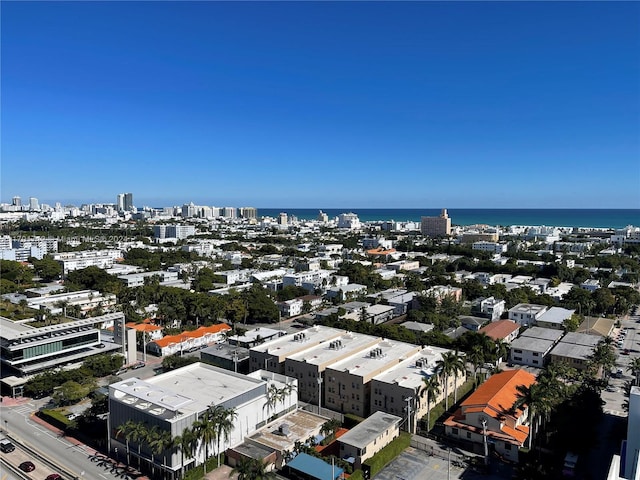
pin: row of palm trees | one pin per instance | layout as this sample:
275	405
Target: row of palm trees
212	428
277	395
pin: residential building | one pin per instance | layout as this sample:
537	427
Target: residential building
173	232
231	277
308	467
81	301
526	314
436	226
491	247
591	285
501	330
489	307
87	258
291	308
271	355
533	345
176	400
188	341
348	382
229	357
349	221
309	365
391	388
138	279
486	419
574	350
471	323
369	437
347	292
440	291
554	318
254	337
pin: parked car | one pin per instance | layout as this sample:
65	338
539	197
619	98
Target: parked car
27	466
138	365
54	476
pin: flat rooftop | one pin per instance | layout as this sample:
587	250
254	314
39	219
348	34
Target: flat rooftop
532	344
16	331
542	333
341	347
300	424
556	315
571	350
368	430
411	372
254	335
528	308
190	389
383	354
294	343
580	339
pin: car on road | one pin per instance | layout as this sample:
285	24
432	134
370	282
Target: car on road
138	365
6	446
611	389
54	476
121	371
625	351
27	466
100	345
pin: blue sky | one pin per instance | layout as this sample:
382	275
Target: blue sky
354	104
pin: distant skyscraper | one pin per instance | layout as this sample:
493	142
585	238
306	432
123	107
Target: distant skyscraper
282	218
120	202
248	212
128	201
323	217
436	226
16	201
348	220
33	203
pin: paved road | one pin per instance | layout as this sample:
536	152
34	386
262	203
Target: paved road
74	458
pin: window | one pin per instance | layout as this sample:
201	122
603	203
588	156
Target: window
468	434
517	350
536	362
536	354
518	358
454	431
507	446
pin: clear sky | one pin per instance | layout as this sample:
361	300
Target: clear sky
354	104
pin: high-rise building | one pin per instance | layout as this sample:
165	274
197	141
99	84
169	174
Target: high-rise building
248	212
33	203
436	226
282	218
128	201
16	201
323	217
120	202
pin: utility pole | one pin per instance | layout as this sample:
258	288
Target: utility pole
409	426
319	392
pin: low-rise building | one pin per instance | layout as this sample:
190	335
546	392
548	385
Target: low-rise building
533	345
526	314
189	340
489	307
502	330
554	318
369	437
574	350
488	414
176	400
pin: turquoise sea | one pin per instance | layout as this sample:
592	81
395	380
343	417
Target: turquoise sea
595	218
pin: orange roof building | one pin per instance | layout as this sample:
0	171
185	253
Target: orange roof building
505	330
188	340
381	252
492	404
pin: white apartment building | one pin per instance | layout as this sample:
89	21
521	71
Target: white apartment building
310	280
85	300
138	279
87	258
291	308
491	247
349	221
173	232
489	307
526	314
330	249
369	437
235	276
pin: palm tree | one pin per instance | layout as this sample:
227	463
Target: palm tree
139	436
152	439
533	398
449	364
477	358
127	429
431	389
187	443
224	422
274	395
159	444
634	368
205	429
330	427
252	469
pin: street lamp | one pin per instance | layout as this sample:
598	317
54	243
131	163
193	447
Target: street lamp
319	392
409	426
484	440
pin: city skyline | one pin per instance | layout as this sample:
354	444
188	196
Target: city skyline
323	105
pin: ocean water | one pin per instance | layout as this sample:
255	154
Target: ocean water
595	218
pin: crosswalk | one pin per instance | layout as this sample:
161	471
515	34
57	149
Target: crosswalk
24	410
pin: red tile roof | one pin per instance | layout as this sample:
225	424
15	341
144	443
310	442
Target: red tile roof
500	330
200	332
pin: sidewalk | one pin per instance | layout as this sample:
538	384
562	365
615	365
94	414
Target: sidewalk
6	401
